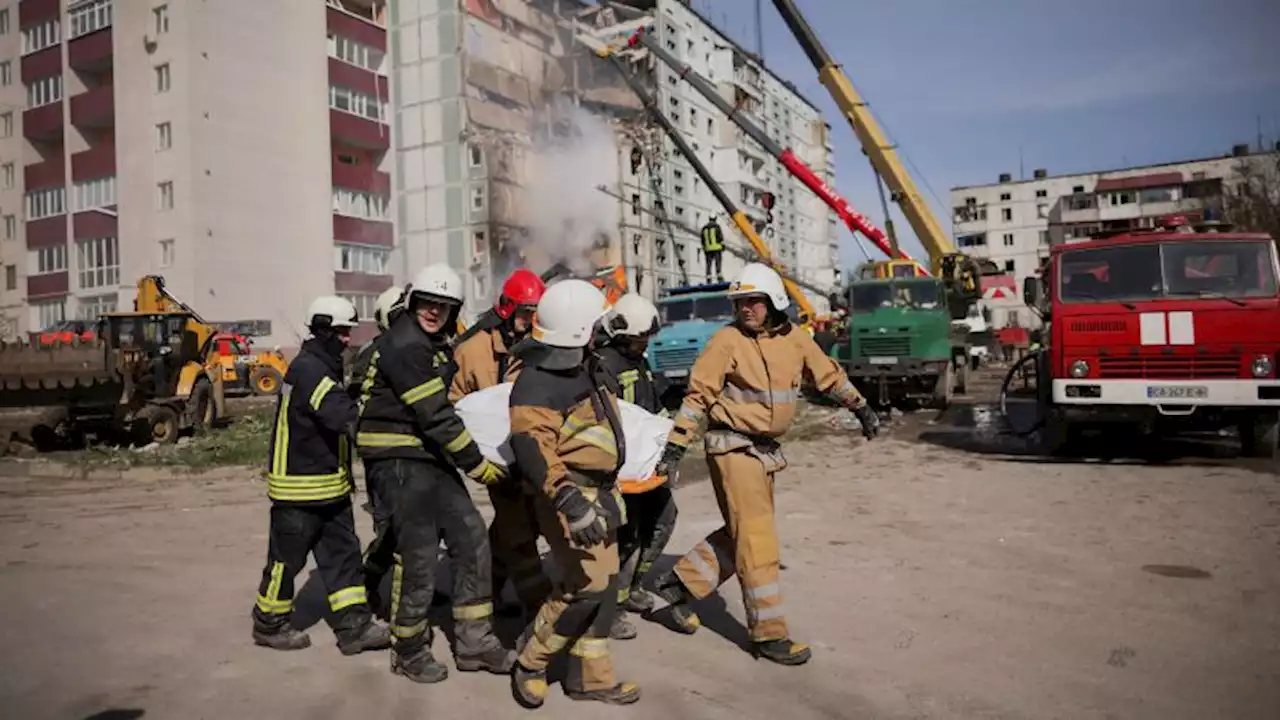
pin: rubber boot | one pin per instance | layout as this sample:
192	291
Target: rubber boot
371	636
639	601
620	694
529	687
622	628
683	619
783	652
419	665
497	660
477	648
286	638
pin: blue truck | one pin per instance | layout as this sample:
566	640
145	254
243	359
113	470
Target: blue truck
690	316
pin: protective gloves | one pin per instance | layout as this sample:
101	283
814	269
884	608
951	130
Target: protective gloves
669	465
487	473
587	524
869	420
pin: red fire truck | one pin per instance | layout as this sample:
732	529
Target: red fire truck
1169	329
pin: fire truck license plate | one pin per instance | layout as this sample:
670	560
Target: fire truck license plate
883	360
1177	392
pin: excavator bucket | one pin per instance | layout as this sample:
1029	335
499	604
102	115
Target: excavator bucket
55	375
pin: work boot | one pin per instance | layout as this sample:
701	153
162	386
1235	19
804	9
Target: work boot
783	651
371	636
529	687
639	601
620	694
497	660
683	619
622	628
419	666
286	638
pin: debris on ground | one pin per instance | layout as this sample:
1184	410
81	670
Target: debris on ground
242	442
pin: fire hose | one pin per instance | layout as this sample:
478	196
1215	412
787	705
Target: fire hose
1015	371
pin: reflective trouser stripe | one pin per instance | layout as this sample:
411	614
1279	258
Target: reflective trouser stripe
590	648
271	602
473	612
346	597
431	387
397	587
769	593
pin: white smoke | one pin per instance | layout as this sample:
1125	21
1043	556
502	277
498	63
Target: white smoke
564	210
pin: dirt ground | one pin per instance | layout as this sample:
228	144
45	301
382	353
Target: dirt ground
939	572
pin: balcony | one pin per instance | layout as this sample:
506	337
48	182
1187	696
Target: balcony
361	177
359	131
94	224
31	12
47	174
47	232
361	231
94	108
98	161
91	53
359	79
360	23
43	123
41	64
48	285
748	81
351	282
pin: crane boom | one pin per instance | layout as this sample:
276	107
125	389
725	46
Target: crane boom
854	220
884	157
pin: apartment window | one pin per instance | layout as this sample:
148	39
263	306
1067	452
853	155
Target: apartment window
357	103
1042	210
360	204
162	78
92	308
98	261
1077	189
477	198
164	195
10	227
6	125
1042	193
164	136
364	303
1008	239
47	260
45	315
354	53
1044	237
1005	197
475	156
166	253
39	37
4	21
6	73
88	17
46	203
96	193
635	203
365	259
44	91
1009	266
1006	214
10	174
10	277
160	18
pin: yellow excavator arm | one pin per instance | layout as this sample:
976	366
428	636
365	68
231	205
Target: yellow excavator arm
154	298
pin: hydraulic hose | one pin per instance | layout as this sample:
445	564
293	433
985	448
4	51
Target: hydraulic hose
1030	357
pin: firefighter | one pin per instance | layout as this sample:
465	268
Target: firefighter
412	442
484	360
746	384
378	558
309	483
713	248
651	509
567	439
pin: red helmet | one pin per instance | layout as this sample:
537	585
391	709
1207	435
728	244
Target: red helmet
523	287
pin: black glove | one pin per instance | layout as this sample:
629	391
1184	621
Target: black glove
669	465
587	524
870	421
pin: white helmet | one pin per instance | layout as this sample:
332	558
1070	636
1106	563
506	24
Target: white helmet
632	316
438	281
331	311
567	314
389	300
760	279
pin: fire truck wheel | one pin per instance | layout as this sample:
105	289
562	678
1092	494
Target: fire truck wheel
265	381
943	389
1055	435
1259	435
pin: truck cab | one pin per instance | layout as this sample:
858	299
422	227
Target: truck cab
689	316
1167	330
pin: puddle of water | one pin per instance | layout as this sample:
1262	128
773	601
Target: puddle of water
1184	572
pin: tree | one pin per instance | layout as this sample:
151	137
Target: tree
1251	200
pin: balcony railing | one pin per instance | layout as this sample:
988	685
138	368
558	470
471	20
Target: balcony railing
94	108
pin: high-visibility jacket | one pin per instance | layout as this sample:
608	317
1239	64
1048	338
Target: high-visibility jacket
404	405
482	361
712	238
310	453
631	379
565	428
749	383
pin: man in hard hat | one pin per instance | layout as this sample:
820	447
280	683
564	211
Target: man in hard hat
746	386
651	508
379	557
309	483
484	360
412	442
567	439
713	249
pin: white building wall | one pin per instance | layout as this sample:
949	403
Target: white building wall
14	319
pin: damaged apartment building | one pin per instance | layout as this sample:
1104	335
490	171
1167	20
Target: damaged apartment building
482	86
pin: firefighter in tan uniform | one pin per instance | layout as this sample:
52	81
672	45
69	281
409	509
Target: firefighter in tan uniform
567	438
746	385
484	360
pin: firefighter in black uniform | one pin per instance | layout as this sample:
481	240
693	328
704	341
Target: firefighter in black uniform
309	483
413	443
651	508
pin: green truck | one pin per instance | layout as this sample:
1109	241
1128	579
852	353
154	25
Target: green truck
899	342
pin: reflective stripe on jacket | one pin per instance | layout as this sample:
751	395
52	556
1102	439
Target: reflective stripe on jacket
310	456
631	380
482	361
712	238
750	383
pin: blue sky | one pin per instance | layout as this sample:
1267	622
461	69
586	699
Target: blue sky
962	85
